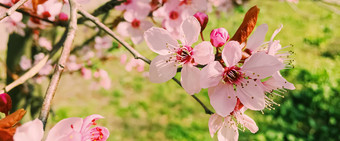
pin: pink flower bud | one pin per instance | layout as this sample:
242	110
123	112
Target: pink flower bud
63	17
5	103
202	18
218	37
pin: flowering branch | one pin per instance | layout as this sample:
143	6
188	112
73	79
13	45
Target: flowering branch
35	69
135	54
12	9
61	63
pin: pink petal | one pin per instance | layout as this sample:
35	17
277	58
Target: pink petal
64	128
190	79
190	30
276	32
223	99
251	94
145	25
30	131
211	74
160	41
203	53
278	82
200	5
122	28
215	123
161	69
228	132
257	38
261	65
231	54
248	122
89	121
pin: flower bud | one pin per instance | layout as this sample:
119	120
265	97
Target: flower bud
63	17
5	103
218	37
202	18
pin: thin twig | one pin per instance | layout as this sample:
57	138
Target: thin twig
35	69
12	9
135	54
61	63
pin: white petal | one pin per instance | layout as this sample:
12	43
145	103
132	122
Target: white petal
215	123
161	69
190	79
232	53
257	38
223	99
261	65
277	81
203	53
190	30
32	131
251	94
160	41
211	74
248	122
228	132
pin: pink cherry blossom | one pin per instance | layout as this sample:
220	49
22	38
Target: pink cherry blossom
104	42
141	8
63	17
47	69
49	9
25	63
86	73
104	79
134	26
78	129
218	37
72	64
135	63
172	55
228	83
227	127
44	42
13	23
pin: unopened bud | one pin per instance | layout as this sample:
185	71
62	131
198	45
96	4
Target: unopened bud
63	17
5	103
218	37
202	18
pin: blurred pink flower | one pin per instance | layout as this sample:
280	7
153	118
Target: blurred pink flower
226	84
104	79
49	9
104	42
47	69
141	8
44	42
30	131
123	58
135	63
25	63
13	23
86	73
171	54
72	64
134	26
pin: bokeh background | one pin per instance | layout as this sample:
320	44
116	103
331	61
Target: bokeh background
136	109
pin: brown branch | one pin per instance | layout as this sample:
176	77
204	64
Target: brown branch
135	53
11	10
61	63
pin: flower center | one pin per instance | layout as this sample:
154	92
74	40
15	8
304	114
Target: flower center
184	54
186	2
174	15
231	75
128	2
135	23
96	134
46	14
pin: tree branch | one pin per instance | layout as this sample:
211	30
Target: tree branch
61	63
135	54
12	9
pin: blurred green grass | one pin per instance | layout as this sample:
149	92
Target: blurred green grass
136	109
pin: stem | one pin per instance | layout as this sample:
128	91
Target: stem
135	53
202	36
61	63
12	9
